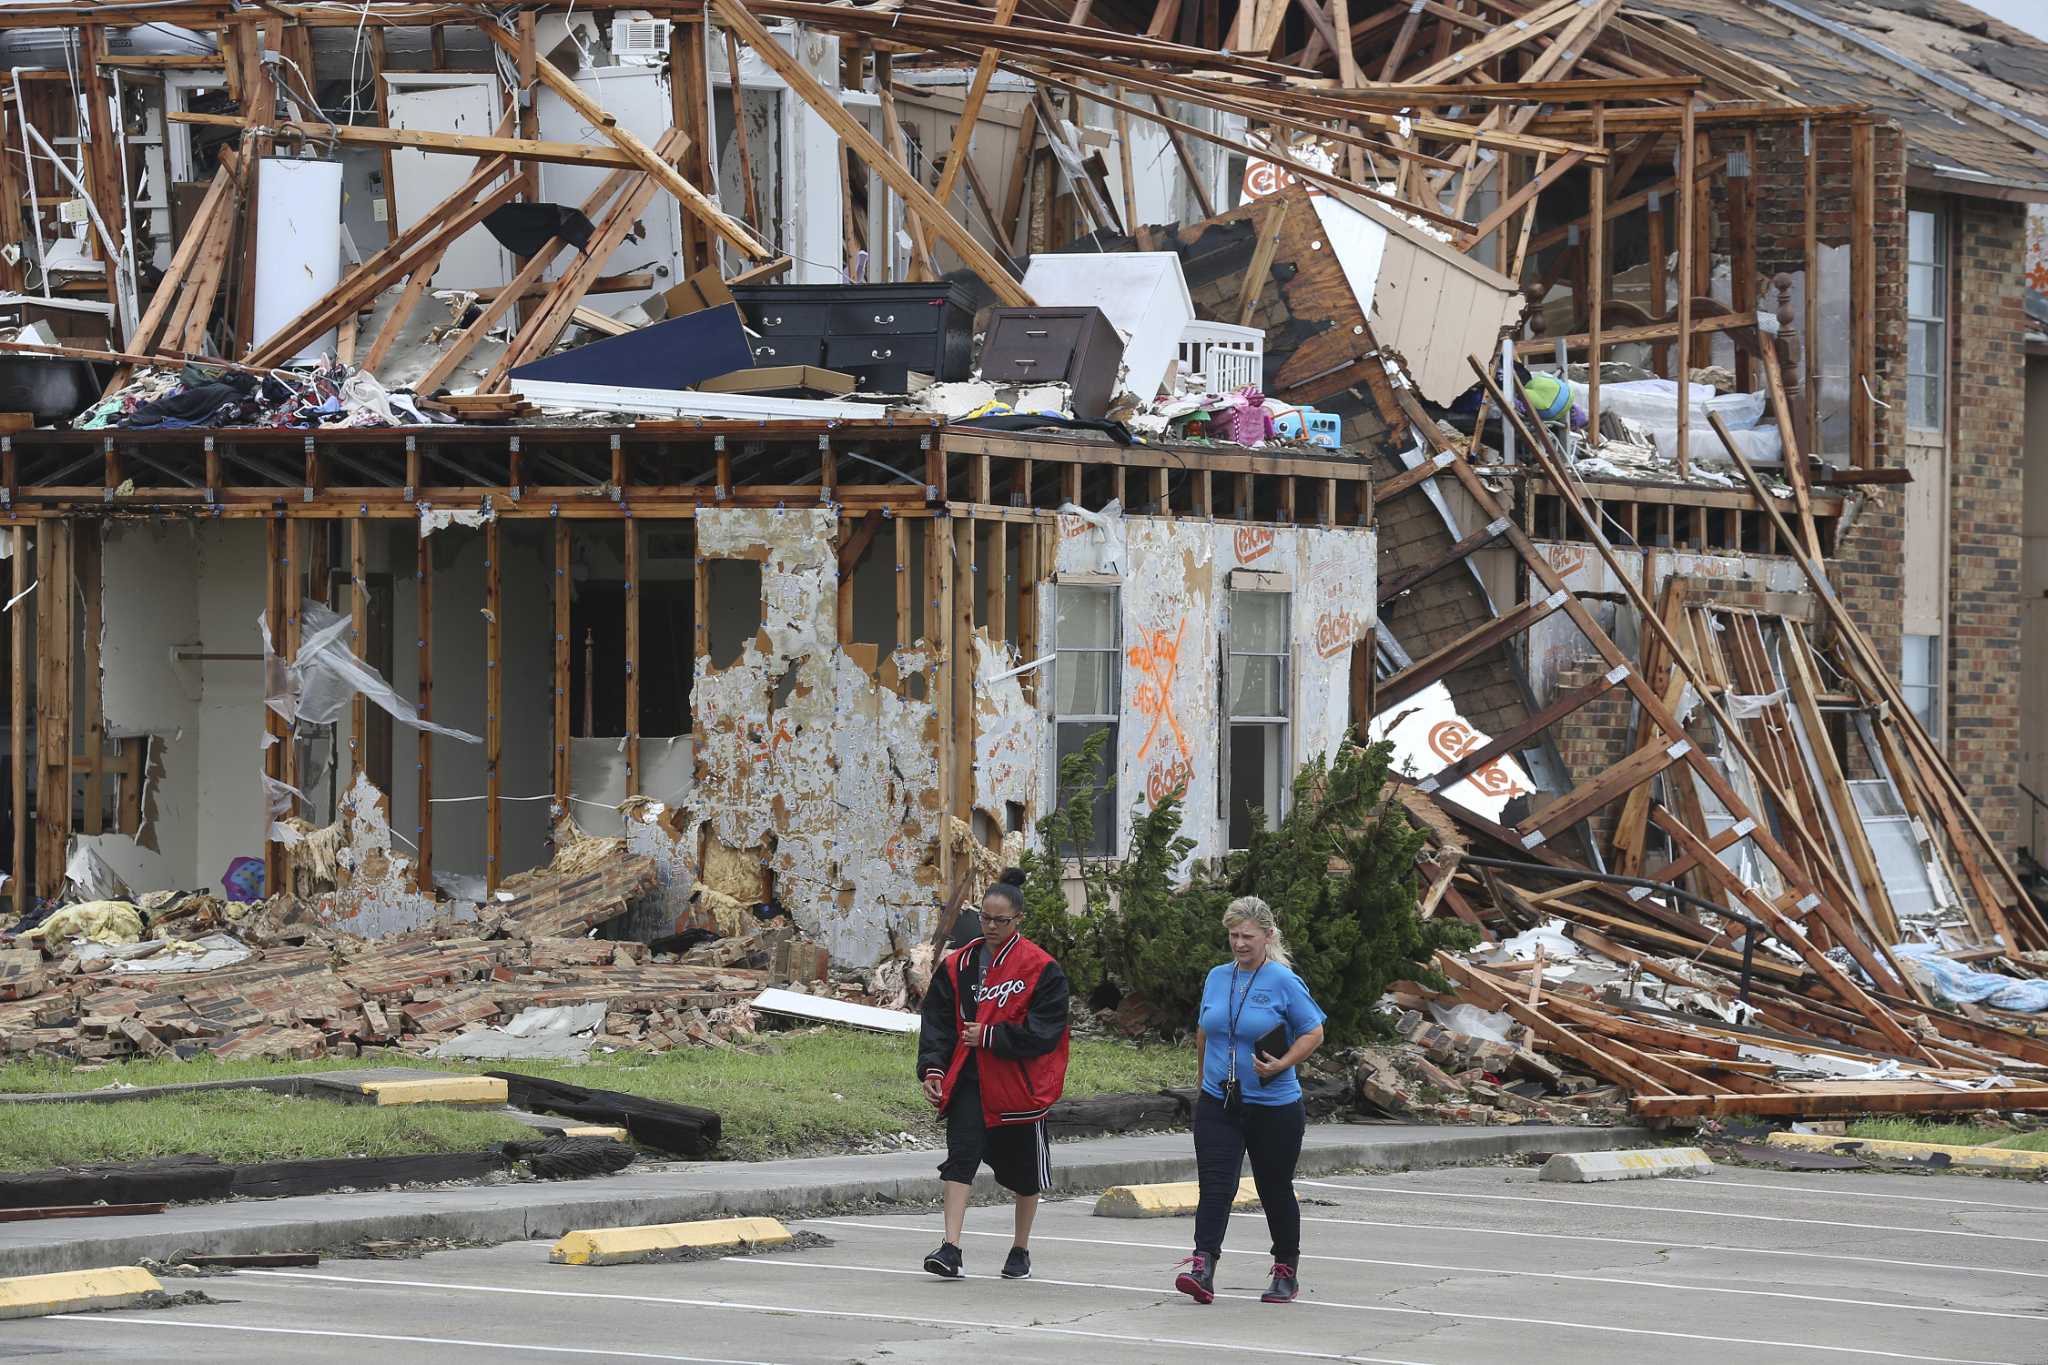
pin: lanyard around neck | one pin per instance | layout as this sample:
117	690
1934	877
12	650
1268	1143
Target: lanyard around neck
1237	1009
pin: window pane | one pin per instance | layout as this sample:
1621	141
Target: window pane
1084	683
1087	618
1923	407
1920	236
1923	291
1916	348
1255	686
1070	738
1258	622
1257	754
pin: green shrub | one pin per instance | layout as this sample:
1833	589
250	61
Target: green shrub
1069	827
1339	872
1162	938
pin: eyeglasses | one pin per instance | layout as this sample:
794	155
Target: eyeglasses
999	920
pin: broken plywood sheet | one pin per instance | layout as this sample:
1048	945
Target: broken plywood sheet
802	753
1426	303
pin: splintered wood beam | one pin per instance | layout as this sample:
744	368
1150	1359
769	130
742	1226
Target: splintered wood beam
739	128
1509	741
273	724
916	197
474	144
359	639
970	111
93	731
1598	791
1512	205
1688	203
645	157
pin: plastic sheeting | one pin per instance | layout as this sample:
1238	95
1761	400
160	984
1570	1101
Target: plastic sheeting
1966	985
317	686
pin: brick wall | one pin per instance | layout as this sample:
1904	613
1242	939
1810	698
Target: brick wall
1987	445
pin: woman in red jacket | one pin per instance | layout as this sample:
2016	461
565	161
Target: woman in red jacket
992	1055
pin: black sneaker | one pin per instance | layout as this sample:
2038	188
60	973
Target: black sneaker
1198	1281
1283	1289
945	1262
1018	1266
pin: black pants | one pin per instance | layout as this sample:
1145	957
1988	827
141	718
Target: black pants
1271	1135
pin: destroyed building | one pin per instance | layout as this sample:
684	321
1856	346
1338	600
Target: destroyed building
777	434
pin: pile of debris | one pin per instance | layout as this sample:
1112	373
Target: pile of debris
285	986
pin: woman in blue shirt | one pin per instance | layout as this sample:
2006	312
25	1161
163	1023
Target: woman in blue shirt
1257	1023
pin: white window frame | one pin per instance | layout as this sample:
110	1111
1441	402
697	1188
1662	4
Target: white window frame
1936	359
1283	723
1108	842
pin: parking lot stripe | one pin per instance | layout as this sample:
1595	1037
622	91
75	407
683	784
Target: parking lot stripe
1666	1208
1402	1311
908	1319
157	1320
1662	1244
1495	1270
1721	1183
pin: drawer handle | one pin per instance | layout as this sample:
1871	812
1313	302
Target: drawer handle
885	321
883	355
766	350
775	321
1023	364
1038	334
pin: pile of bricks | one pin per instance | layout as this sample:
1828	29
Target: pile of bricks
1437	1074
345	996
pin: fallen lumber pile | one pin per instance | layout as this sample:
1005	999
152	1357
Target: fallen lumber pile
313	992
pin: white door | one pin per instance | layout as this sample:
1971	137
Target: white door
639	100
421	180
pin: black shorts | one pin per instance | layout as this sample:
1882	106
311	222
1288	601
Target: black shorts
1016	1153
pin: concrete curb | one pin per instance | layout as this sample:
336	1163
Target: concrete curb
781	1189
1165	1201
622	1246
76	1291
2010	1159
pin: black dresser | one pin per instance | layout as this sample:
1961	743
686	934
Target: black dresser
878	333
1074	346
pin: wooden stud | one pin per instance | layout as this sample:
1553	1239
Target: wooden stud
1596	274
93	732
274	726
1682	366
739	124
560	668
494	705
1862	296
23	745
960	650
970	110
1809	321
359	637
634	774
1742	256
423	582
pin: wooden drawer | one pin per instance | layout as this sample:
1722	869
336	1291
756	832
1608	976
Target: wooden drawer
791	316
776	349
864	352
888	317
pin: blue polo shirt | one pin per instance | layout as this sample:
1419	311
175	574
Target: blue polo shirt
1262	1000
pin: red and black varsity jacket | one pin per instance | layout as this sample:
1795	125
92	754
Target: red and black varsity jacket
1016	999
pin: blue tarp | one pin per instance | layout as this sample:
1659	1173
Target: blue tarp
1967	986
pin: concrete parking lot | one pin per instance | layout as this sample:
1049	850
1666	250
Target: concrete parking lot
1453	1267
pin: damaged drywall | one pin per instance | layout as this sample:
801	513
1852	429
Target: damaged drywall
803	753
1009	737
1176	577
349	871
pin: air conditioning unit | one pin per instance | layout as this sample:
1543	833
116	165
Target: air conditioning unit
640	40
